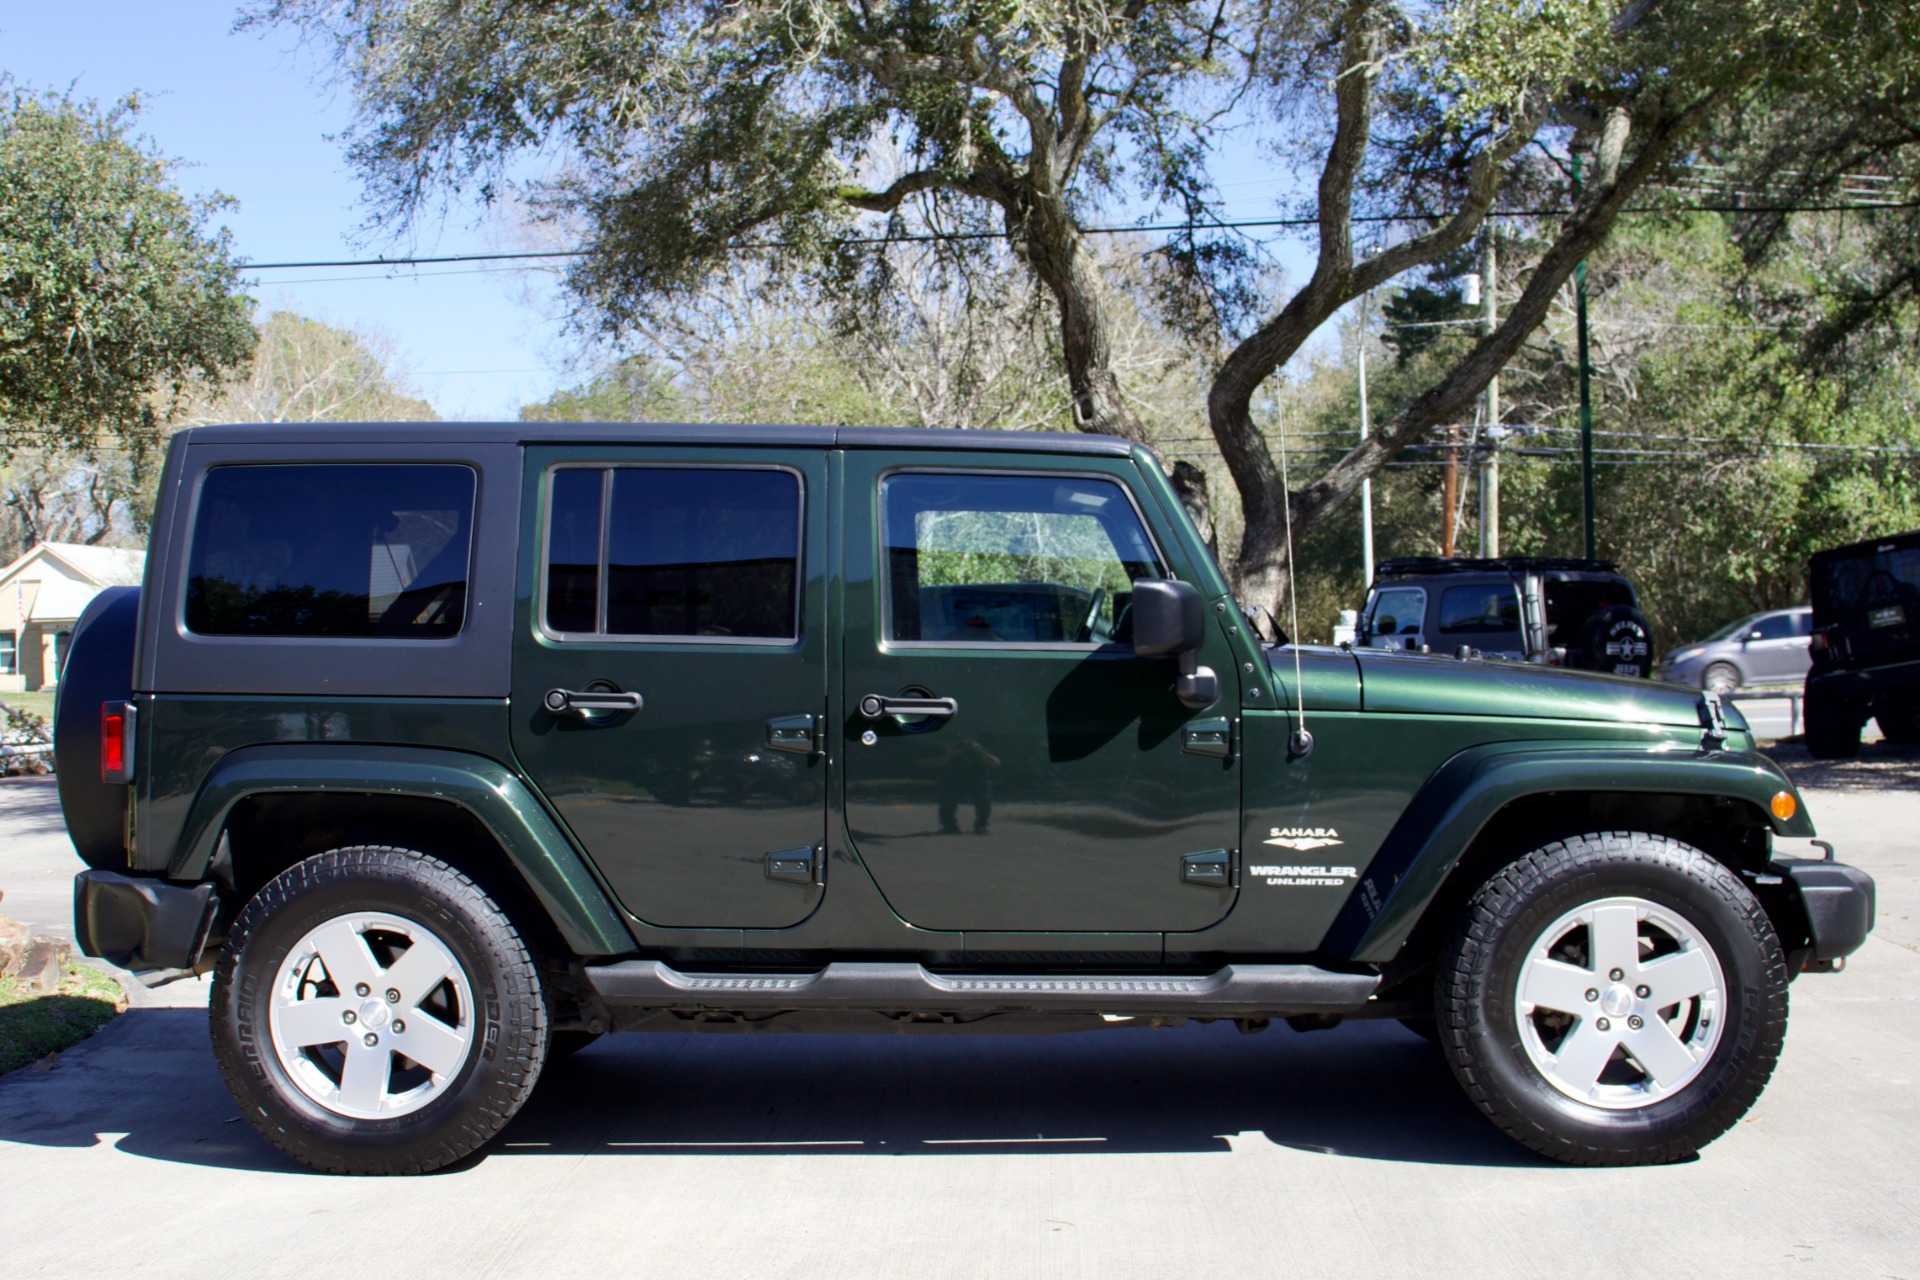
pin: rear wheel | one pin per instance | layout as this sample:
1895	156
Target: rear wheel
376	1012
1832	729
1614	999
1899	721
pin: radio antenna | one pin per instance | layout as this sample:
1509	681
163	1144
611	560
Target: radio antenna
1300	741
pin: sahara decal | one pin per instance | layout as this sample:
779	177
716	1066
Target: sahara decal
1302	839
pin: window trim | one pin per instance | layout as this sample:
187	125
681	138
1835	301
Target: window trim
602	635
191	541
883	621
11	666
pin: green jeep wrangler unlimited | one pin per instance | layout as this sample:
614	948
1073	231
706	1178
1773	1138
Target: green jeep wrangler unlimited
449	748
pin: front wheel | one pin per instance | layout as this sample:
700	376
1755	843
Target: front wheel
1614	999
1720	678
376	1012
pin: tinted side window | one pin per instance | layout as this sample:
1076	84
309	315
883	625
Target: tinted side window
687	552
995	559
326	550
1480	609
1398	611
1778	627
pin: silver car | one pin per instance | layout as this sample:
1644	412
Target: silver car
1763	648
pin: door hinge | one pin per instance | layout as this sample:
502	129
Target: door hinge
796	866
1212	869
798	734
1208	738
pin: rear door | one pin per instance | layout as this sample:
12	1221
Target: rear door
670	671
1059	786
1774	649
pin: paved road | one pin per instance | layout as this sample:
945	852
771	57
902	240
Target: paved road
1191	1153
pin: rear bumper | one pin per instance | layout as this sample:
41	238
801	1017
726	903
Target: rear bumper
1864	684
138	922
1838	902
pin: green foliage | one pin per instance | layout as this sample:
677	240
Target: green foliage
1723	461
305	370
114	295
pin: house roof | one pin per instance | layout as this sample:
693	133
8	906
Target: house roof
102	566
61	600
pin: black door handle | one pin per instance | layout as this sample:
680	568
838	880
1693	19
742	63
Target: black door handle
873	707
563	701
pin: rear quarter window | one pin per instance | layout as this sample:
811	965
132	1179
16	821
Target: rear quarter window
331	551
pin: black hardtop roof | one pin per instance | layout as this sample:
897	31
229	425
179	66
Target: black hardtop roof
1867	546
1432	566
251	433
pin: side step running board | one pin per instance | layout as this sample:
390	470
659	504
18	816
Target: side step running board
1239	990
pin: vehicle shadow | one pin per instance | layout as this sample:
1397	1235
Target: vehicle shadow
1368	1091
1880	766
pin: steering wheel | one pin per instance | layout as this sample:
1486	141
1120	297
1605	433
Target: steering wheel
1093	614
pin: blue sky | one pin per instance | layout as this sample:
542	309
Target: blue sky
248	117
245	114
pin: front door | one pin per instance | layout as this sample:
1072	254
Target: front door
670	672
1047	782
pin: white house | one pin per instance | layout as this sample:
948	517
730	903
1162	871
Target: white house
42	594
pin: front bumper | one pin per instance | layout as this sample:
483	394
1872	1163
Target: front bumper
141	923
1837	902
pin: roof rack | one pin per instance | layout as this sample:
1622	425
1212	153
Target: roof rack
1425	566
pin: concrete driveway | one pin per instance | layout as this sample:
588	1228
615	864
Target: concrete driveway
1189	1153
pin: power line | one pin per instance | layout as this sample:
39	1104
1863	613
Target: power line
1222	225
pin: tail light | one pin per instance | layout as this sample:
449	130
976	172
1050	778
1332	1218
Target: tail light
116	742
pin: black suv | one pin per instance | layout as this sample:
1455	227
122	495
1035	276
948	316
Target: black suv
1866	644
1564	613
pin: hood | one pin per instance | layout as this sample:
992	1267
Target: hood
1429	684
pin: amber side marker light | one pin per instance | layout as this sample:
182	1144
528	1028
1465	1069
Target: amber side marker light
1784	806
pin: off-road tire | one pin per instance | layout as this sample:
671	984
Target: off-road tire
1899	721
1477	997
1832	729
509	1038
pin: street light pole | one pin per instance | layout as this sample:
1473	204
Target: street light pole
1366	486
1586	399
1490	470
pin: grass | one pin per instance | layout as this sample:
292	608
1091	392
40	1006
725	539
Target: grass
34	1025
40	702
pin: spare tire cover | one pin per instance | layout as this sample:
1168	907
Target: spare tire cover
1618	641
99	668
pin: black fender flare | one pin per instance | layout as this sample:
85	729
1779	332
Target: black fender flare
558	877
1464	794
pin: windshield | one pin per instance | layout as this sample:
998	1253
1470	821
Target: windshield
1877	577
1731	629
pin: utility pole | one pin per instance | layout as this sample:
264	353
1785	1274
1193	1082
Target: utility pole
1366	486
1490	470
1586	399
1452	493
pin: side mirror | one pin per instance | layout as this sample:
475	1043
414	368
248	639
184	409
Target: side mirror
1170	621
1169	618
1755	635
